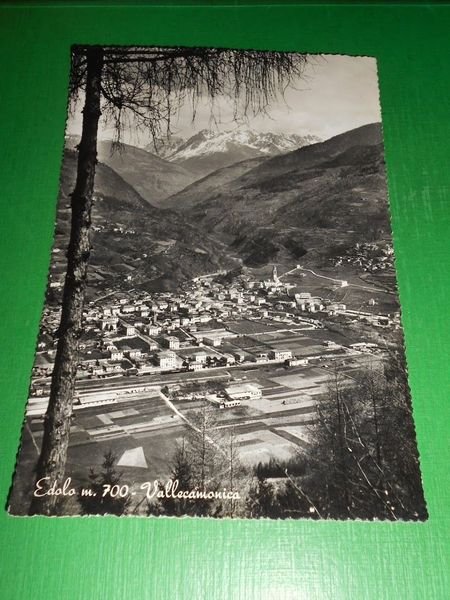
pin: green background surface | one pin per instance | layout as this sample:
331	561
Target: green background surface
84	558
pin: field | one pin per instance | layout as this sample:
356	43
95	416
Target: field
301	342
247	327
142	428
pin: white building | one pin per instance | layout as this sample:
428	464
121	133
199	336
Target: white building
115	353
167	359
172	342
130	330
280	354
230	358
200	357
222	402
195	366
133	353
128	309
212	340
214	337
108	323
297	362
243	391
153	330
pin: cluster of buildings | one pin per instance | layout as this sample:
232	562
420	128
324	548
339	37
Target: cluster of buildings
138	332
369	256
135	332
225	396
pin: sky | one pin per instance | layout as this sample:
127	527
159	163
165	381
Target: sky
337	93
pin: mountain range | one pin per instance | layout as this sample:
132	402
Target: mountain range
168	166
165	146
157	247
207	150
319	196
307	203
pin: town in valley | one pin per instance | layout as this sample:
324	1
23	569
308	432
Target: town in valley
259	351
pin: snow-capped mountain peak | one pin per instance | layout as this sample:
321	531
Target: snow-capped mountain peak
244	138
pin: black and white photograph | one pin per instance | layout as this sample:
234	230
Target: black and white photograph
221	333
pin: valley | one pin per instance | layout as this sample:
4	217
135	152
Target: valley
313	204
243	292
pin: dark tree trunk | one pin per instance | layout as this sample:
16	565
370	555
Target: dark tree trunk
52	461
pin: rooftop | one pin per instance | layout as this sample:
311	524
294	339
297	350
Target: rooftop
241	388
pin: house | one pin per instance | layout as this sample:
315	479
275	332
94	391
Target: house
307	302
331	344
133	347
93	357
335	307
128	309
115	353
129	329
297	362
153	329
213	337
171	342
212	340
113	368
222	402
167	359
108	323
230	358
195	366
200	357
280	354
302	298
133	353
384	321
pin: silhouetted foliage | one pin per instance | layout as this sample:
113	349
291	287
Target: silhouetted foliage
182	473
362	460
102	502
262	500
277	468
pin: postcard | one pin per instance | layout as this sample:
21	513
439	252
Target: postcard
221	334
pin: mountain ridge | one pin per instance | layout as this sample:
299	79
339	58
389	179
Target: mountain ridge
153	177
207	150
301	204
328	193
155	247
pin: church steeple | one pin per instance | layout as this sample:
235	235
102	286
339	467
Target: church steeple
275	275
